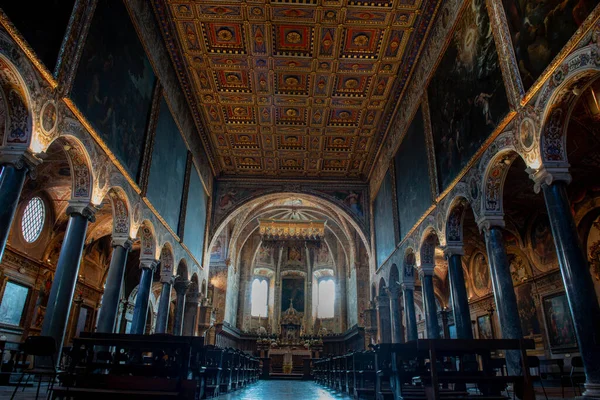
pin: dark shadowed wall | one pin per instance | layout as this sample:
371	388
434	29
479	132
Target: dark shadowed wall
384	220
195	217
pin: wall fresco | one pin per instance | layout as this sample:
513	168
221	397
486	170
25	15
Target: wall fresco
195	216
384	220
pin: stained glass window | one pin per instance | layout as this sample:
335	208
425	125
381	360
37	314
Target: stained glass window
33	219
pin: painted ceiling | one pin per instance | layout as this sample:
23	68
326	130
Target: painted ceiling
301	88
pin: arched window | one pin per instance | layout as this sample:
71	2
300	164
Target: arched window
326	303
260	294
33	219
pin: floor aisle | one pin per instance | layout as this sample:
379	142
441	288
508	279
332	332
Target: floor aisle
284	390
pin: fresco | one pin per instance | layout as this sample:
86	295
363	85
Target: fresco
44	35
384	220
114	83
167	172
480	274
530	324
413	190
540	29
543	250
467	98
292	289
353	199
559	323
593	249
195	217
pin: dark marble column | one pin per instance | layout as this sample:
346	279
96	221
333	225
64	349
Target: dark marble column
431	319
12	178
458	293
578	282
383	313
164	304
181	287
67	270
504	292
190	314
112	288
408	293
140	310
396	314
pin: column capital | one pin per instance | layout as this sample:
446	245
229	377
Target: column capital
150	264
408	285
426	269
84	208
487	222
181	286
383	301
125	242
394	291
455	249
546	175
21	158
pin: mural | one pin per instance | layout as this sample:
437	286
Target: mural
114	83
44	35
543	251
195	216
519	270
540	29
559	323
384	220
527	310
167	172
412	176
352	199
292	289
264	255
593	246
466	94
484	326
480	274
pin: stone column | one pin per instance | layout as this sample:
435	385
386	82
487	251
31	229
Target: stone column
164	304
140	310
396	314
15	168
458	293
67	270
383	313
408	294
576	275
504	292
431	320
181	287
190	315
112	287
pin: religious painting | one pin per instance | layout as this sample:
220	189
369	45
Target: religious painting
413	190
559	323
292	293
323	257
540	29
543	251
593	249
114	84
354	200
45	35
480	274
228	197
219	249
530	325
466	95
264	255
385	237
195	216
484	327
519	268
167	171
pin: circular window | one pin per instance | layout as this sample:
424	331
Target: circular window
33	219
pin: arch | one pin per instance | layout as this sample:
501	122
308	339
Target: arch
203	288
147	236
182	270
557	99
410	262
455	216
373	291
429	241
193	291
394	277
252	201
166	262
493	183
382	286
18	118
120	211
80	164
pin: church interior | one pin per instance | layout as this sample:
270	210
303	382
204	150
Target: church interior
300	199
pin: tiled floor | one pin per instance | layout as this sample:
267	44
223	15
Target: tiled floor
284	390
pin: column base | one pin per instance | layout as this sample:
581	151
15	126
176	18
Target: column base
592	391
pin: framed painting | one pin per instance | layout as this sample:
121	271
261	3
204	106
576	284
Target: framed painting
559	323
484	327
480	274
541	242
292	293
466	93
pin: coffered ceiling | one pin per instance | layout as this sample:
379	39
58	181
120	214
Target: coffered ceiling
299	88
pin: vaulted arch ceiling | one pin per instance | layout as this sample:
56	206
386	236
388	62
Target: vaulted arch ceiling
302	89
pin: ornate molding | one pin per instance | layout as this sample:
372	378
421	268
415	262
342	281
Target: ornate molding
125	242
85	209
547	175
149	264
21	158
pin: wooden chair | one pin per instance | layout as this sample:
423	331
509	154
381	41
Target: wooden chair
39	347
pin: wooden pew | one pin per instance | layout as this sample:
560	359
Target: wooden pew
363	363
213	361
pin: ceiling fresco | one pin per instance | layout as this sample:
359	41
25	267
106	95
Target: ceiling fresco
294	89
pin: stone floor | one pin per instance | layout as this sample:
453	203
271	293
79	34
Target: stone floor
284	390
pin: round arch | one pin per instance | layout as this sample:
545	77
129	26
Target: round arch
18	119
